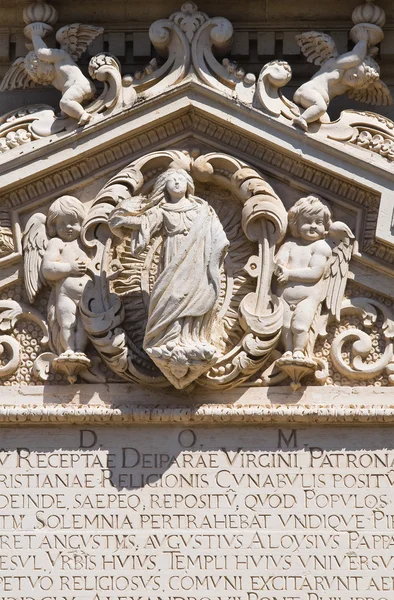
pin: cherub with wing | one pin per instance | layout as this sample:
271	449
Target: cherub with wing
355	73
57	67
311	268
54	255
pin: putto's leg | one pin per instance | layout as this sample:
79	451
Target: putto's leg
66	314
81	337
315	105
287	334
70	104
301	324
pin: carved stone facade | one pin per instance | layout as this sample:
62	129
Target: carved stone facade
196	301
227	242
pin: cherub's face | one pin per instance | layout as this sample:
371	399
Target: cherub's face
312	227
355	76
68	228
176	186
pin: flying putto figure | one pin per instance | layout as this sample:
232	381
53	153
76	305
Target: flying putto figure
57	67
355	73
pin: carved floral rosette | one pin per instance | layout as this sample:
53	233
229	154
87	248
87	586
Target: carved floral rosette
247	320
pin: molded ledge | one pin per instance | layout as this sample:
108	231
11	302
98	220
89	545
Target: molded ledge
124	404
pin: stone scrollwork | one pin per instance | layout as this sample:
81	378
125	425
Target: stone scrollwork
365	130
176	291
10	348
22	126
189	40
118	91
360	364
193	47
273	76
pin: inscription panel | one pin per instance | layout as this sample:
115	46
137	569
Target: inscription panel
170	513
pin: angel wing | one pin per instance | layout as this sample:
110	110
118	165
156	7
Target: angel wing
74	39
35	242
316	47
17	77
377	94
342	240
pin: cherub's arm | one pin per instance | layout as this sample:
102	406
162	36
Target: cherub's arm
49	55
53	269
315	270
282	257
281	260
355	57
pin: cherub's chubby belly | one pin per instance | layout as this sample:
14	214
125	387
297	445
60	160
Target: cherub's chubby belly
294	293
73	287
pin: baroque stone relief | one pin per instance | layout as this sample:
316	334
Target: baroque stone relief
185	270
183	262
190	45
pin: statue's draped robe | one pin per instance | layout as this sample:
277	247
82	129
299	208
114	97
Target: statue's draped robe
187	289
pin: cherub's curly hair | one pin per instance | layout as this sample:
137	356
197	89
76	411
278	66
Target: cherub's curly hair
66	205
310	205
371	70
31	65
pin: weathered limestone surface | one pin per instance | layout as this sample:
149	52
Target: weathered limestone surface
196	512
196	301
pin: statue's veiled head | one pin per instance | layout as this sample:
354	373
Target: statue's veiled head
172	185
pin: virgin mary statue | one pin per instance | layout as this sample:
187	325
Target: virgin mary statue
183	301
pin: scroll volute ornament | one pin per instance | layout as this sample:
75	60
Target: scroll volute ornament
264	221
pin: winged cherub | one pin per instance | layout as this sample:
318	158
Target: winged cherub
355	73
311	268
54	255
57	67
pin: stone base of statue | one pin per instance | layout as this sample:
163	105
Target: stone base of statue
297	368
71	364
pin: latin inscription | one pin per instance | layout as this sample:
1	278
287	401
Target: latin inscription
164	513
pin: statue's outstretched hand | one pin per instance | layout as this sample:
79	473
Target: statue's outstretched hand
40	30
130	222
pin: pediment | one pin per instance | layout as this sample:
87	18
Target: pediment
246	165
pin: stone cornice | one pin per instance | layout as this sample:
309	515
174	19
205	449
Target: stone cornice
215	414
111	143
124	404
193	97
